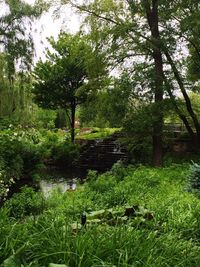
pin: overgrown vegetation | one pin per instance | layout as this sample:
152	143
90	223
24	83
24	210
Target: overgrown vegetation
127	68
194	179
96	133
24	153
161	229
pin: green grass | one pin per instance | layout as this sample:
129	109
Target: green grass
171	238
97	133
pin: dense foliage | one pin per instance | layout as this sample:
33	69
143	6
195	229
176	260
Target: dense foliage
157	44
24	152
15	37
108	108
19	158
133	65
64	80
163	230
194	179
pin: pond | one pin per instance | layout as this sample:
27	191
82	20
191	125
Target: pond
64	180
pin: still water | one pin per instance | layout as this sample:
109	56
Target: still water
61	180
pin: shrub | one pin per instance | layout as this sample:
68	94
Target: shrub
194	179
5	183
65	153
19	155
92	175
32	158
10	155
103	184
27	202
119	171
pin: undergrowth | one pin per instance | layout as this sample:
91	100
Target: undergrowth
168	236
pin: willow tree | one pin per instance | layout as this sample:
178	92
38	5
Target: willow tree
68	75
17	51
15	98
15	32
4	88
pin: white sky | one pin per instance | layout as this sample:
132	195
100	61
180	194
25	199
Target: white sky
48	25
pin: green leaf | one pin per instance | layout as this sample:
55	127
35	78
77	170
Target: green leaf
11	262
76	226
96	214
94	221
57	265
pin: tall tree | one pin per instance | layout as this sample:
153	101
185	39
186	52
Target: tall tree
68	75
110	106
15	99
155	33
17	49
181	23
129	32
15	31
151	8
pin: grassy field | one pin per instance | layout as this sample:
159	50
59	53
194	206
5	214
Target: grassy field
136	216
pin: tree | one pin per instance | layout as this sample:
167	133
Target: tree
68	75
150	33
183	31
17	49
15	27
110	106
129	31
151	10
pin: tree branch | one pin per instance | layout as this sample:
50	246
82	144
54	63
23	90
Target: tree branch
183	91
178	111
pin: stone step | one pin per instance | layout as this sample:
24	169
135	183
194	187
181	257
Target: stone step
101	154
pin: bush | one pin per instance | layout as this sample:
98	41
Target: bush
19	157
27	202
139	149
32	158
10	155
194	179
119	171
5	183
92	175
103	184
65	153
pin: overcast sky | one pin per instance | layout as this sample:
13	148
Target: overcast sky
48	25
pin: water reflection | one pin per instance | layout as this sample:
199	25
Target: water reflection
61	180
47	186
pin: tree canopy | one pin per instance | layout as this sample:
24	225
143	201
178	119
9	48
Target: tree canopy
150	39
15	36
156	43
67	76
17	52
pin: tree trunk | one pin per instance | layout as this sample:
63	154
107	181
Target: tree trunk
178	111
73	112
152	18
186	97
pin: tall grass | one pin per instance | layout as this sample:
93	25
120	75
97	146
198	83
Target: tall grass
171	238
